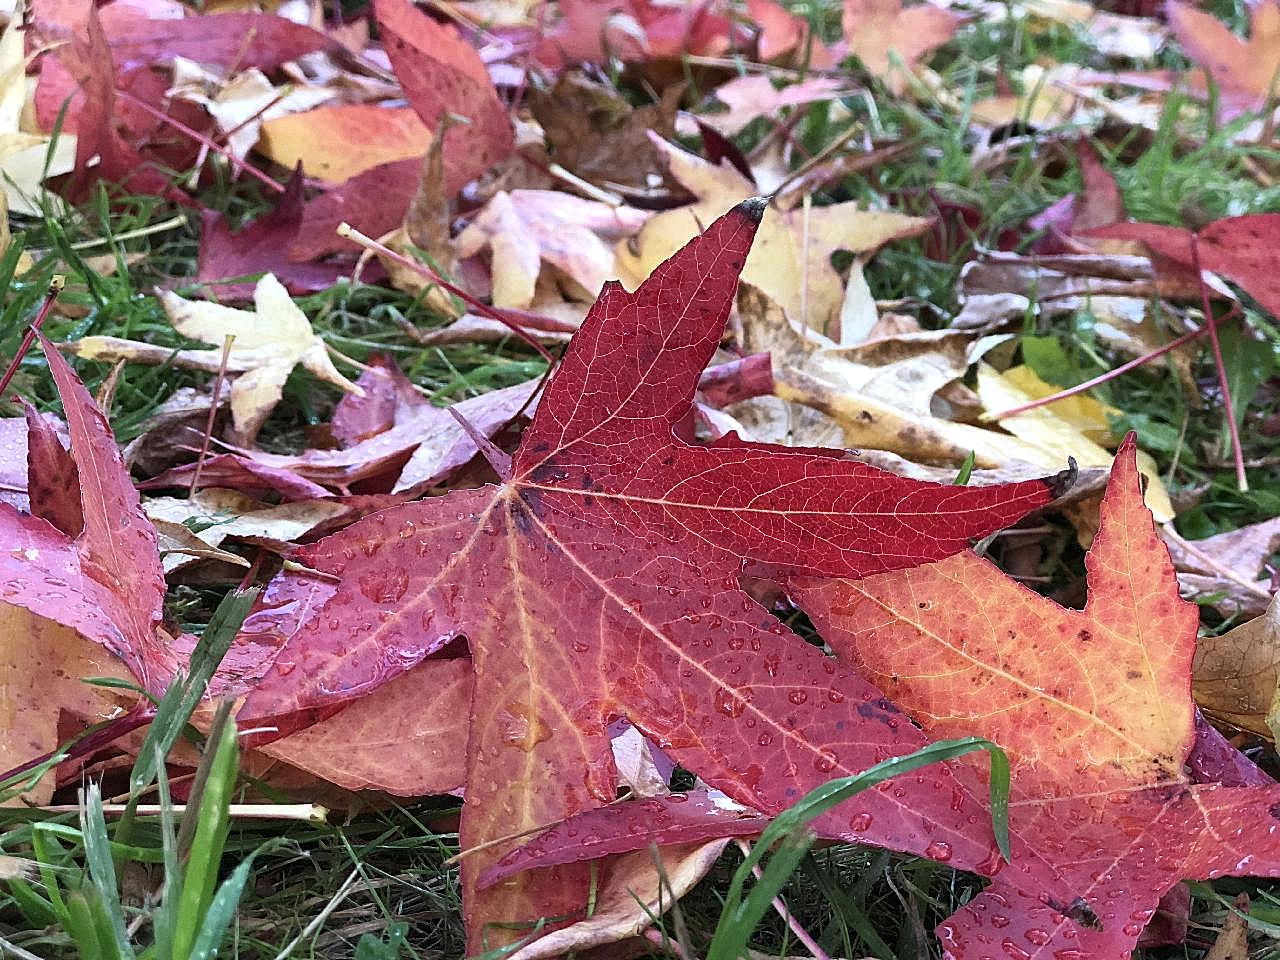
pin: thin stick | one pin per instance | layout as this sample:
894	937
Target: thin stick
200	138
172	223
801	933
307	812
1242	481
55	287
1112	374
1213	564
351	233
213	414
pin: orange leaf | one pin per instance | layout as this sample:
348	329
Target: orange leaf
1094	709
336	143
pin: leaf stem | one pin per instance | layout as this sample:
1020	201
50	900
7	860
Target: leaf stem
382	250
1228	406
1124	368
55	287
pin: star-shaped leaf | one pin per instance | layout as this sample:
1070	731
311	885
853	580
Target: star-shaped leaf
1094	709
267	343
599	580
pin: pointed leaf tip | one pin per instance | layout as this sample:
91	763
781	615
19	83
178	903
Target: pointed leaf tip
753	208
1063	481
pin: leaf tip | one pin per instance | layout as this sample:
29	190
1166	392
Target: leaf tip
1063	481
753	208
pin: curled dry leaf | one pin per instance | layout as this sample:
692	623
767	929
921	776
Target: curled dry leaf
1093	708
1236	675
1227	563
600	579
633	893
525	228
268	342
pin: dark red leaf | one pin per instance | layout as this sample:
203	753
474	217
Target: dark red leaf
601	581
261	246
374	202
443	74
53	478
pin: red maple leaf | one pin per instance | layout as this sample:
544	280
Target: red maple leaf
101	575
599	580
1094	710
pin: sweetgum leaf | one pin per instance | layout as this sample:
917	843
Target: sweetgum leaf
1094	709
600	580
106	581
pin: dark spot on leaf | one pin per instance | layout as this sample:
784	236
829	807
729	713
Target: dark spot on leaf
1080	911
1133	674
1084	636
1274	810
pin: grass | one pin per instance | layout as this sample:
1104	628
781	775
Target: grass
376	883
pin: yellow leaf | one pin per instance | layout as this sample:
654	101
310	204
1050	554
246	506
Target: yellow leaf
335	143
790	261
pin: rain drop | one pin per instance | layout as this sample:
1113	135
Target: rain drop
938	850
860	823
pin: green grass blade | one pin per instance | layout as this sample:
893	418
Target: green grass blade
789	834
109	914
183	696
221	760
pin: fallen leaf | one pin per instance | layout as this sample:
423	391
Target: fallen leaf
261	246
179	547
43	665
220	514
524	228
1059	433
25	162
1235	675
442	73
694	816
1232	942
241	104
1238	248
783	32
595	134
423	446
791	260
1243	70
586	583
634	892
1227	563
749	98
1093	709
105	583
1214	760
268	342
403	739
101	151
245	40
337	142
374	202
879	32
239	473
